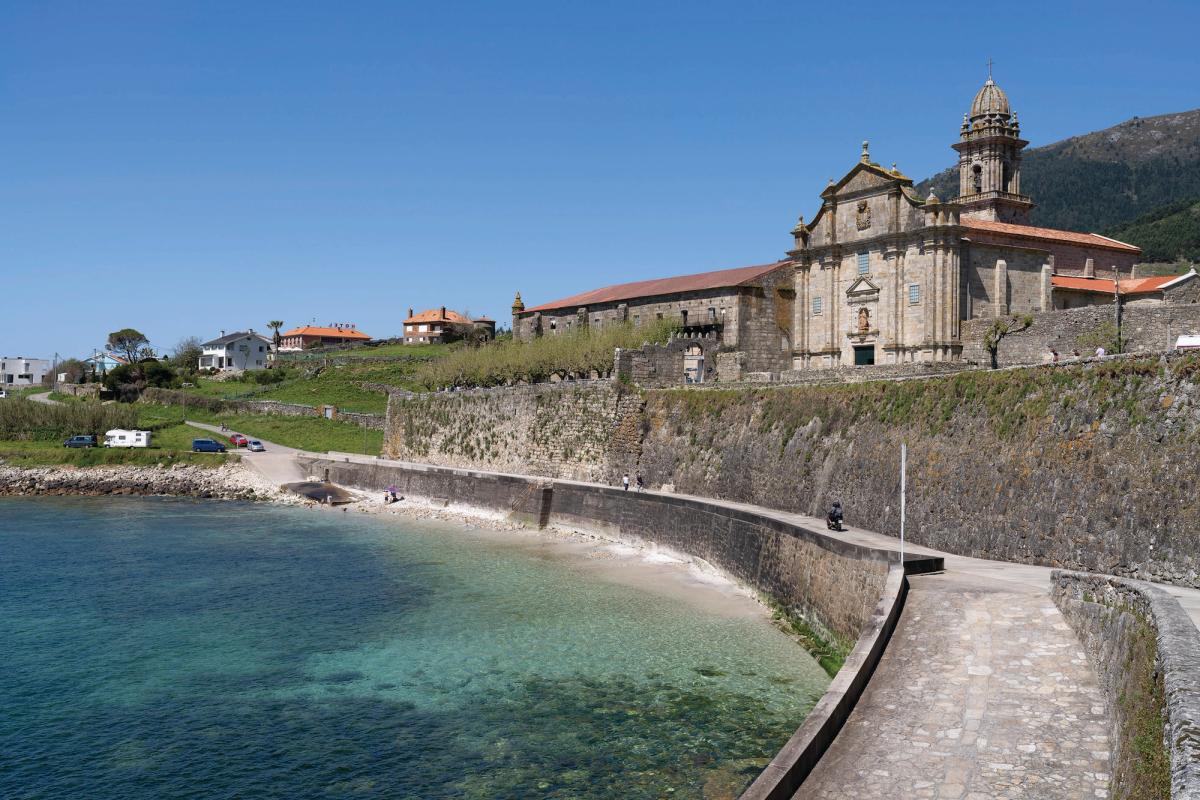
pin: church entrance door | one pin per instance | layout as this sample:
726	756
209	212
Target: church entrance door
864	355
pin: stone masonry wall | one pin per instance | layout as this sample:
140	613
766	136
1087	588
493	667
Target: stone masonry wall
1085	466
1145	649
1144	329
586	430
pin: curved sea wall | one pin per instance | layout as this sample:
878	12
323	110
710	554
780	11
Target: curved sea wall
848	593
1145	649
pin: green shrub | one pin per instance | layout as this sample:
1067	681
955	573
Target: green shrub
25	420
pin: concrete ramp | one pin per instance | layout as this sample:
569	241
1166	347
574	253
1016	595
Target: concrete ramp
324	493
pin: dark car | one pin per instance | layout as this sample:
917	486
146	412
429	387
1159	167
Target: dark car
238	440
80	441
207	446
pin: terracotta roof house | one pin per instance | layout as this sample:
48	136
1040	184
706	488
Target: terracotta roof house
318	336
1073	292
439	325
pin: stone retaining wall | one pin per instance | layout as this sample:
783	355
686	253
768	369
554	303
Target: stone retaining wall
1147	329
1145	650
274	407
586	430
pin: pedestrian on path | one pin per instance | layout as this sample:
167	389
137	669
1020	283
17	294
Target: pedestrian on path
625	481
641	484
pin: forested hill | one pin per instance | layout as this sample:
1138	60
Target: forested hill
1106	180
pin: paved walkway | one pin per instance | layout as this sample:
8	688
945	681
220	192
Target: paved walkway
277	464
984	692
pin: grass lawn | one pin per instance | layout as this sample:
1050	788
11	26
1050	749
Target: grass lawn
304	433
170	445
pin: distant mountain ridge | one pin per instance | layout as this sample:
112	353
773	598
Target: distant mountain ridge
1107	180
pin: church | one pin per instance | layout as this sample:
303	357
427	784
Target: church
879	275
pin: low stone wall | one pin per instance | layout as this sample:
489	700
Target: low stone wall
1146	329
846	592
585	430
79	389
879	372
1145	650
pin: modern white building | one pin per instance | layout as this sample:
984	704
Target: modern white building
21	371
239	351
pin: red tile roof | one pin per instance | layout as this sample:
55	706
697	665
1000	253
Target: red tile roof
332	333
1105	286
436	315
719	279
1048	234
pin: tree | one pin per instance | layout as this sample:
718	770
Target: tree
73	368
133	345
186	355
275	325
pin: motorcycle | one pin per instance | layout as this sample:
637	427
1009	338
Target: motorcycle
834	523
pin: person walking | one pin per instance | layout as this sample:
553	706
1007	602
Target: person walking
625	481
641	484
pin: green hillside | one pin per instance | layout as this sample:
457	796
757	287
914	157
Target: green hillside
1111	180
1172	233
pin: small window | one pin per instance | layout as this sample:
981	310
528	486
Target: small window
816	306
712	315
637	319
553	324
683	315
864	263
914	293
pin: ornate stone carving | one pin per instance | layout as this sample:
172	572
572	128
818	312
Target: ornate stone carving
864	320
863	217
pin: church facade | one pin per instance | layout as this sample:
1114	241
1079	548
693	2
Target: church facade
880	275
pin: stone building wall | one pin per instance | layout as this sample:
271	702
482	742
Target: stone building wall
586	430
717	306
766	315
1144	328
662	365
1005	280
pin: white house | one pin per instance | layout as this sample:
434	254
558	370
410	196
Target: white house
22	371
243	350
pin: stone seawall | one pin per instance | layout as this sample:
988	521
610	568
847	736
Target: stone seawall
1084	466
1145	650
848	593
586	430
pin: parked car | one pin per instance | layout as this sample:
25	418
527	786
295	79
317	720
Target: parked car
256	446
207	446
3	393
80	441
237	440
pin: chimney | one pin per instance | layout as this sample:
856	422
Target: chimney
1089	268
443	312
1133	272
222	332
410	312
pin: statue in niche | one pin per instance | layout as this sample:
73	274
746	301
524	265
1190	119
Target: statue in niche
864	320
863	217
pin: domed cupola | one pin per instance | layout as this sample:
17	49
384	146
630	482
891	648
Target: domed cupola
990	101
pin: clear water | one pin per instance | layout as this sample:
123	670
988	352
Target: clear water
156	648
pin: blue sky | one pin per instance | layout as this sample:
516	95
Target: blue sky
189	167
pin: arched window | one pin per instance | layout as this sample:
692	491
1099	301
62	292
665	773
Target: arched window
977	178
1005	176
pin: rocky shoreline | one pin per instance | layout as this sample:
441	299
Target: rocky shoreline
228	482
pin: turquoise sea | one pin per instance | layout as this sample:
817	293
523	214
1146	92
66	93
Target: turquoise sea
160	648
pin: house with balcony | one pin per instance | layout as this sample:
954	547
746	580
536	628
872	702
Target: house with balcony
237	352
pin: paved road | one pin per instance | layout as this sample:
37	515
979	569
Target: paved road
277	464
44	397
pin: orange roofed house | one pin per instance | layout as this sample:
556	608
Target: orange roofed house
438	325
880	275
319	336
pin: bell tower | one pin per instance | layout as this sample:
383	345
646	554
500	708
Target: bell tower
989	159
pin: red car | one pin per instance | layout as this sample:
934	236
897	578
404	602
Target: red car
237	440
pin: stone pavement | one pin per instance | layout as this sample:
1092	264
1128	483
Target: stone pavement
983	692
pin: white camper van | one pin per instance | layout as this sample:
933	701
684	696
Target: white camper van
120	438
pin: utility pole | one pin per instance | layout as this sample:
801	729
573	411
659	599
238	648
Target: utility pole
903	469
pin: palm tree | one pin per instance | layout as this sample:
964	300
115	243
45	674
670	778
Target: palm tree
275	325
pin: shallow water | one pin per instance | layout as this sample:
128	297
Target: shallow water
160	648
